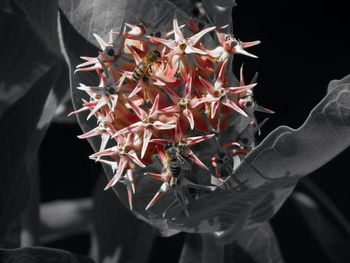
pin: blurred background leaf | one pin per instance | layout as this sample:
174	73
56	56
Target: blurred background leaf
117	233
38	254
254	245
32	84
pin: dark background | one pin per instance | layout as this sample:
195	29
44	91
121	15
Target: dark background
304	46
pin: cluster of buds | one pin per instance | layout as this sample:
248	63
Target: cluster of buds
162	94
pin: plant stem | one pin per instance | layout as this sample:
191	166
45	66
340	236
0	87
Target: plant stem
212	250
30	217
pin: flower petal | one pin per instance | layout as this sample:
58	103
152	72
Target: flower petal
132	155
195	159
233	90
121	167
207	85
233	106
102	102
155	176
163	188
163	126
190	50
91	133
130	177
131	128
100	41
198	139
147	135
177	32
250	44
155	106
188	114
166	42
213	109
193	40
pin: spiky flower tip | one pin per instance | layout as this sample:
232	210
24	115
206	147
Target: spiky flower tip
167	110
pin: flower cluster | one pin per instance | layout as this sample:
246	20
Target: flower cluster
158	96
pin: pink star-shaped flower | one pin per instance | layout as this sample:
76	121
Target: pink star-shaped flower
148	122
180	45
104	128
106	93
222	93
186	105
186	142
125	154
107	55
229	45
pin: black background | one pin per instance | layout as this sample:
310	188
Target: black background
304	46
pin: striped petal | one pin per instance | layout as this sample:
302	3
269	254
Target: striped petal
198	139
91	133
234	90
147	135
177	32
163	126
102	102
164	187
132	155
233	106
130	176
190	50
100	41
195	159
121	167
188	114
193	40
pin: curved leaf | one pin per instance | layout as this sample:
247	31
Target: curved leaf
38	254
97	16
331	237
220	11
116	232
23	64
253	245
191	250
30	94
258	188
266	177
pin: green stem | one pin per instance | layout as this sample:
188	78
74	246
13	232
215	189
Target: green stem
212	250
30	217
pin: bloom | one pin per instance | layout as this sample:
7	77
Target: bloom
163	103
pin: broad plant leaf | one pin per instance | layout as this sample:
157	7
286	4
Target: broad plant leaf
192	249
23	64
253	245
30	92
254	193
258	188
117	233
97	16
331	236
40	254
269	173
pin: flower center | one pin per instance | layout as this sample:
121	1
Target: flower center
183	103
182	46
110	90
219	93
103	125
125	149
